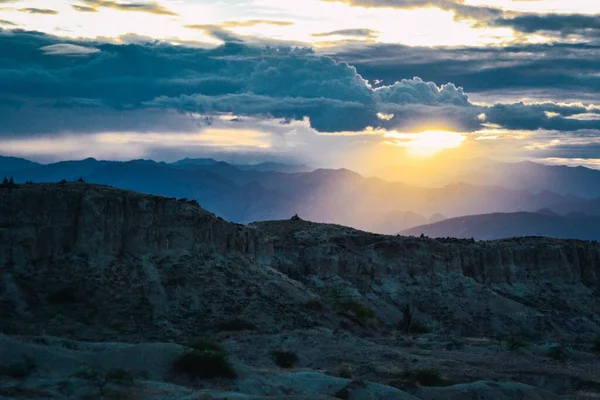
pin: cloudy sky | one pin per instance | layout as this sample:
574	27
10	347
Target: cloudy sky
333	83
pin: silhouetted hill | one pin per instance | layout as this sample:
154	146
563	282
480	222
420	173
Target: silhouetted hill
13	163
276	167
506	225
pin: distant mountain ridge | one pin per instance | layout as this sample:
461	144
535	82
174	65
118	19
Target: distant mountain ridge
243	194
507	225
561	179
13	163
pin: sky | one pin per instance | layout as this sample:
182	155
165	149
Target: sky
363	84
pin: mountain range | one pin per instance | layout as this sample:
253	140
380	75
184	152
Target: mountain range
267	191
504	225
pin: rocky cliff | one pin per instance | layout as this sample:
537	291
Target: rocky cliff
87	262
99	261
526	286
123	260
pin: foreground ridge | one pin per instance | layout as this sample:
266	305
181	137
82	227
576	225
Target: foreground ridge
88	263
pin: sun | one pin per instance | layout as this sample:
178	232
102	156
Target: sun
425	143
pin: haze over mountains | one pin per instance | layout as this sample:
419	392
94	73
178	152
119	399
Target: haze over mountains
267	191
503	225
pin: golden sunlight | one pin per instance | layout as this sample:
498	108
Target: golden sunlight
425	143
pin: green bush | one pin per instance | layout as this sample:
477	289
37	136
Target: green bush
415	327
204	365
558	353
101	379
357	309
596	346
20	369
514	343
425	377
314	305
344	393
408	323
284	359
205	360
206	345
236	325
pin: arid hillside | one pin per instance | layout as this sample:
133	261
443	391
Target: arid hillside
103	279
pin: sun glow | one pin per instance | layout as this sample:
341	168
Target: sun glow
425	143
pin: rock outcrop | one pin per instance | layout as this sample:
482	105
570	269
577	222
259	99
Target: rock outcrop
92	263
97	262
525	286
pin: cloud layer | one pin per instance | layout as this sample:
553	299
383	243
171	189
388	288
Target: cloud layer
49	85
147	7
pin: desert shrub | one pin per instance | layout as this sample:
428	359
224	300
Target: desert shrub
206	345
424	377
101	379
314	305
558	353
63	181
344	393
62	296
204	365
19	369
596	346
343	370
414	327
514	343
408	323
357	309
205	360
80	180
237	324
284	359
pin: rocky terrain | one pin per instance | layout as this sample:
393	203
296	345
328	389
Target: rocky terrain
106	293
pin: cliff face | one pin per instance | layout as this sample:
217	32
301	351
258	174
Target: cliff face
46	221
93	261
330	249
100	262
525	286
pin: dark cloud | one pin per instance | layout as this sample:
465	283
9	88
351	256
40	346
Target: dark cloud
131	87
38	11
552	68
586	27
147	7
368	33
217	32
253	22
562	24
222	30
536	116
84	8
460	9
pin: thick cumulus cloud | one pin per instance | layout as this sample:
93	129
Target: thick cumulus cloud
49	85
554	69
